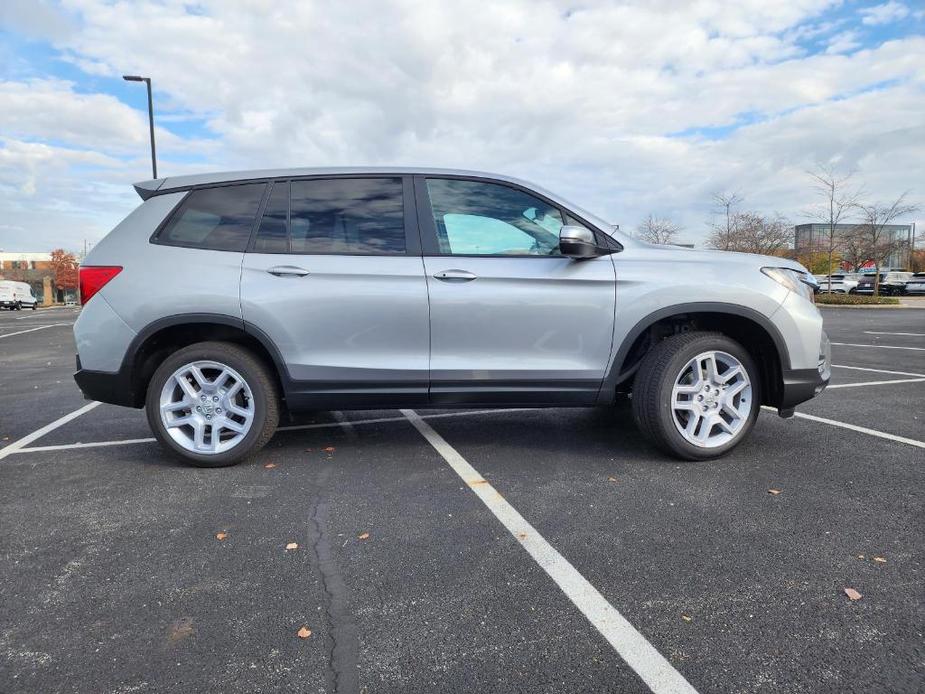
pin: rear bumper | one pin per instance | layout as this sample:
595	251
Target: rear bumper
114	388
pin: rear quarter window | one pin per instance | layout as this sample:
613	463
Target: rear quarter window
218	219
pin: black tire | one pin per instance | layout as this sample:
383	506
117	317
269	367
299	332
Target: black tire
262	385
655	380
34	306
18	306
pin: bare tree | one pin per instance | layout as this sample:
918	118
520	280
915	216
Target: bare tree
853	245
878	243
654	229
750	232
725	205
839	200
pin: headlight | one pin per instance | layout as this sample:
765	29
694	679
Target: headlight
794	280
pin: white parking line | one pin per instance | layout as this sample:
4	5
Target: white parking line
879	371
89	444
295	427
852	344
632	646
854	427
32	330
876	383
17	446
877	332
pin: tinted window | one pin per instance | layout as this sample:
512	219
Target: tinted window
344	215
273	234
219	219
479	218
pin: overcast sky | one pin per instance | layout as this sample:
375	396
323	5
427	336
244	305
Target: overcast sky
625	108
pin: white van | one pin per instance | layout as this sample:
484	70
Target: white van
16	295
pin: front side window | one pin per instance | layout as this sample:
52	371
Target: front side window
331	216
481	218
218	219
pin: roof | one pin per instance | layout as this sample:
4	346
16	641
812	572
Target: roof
164	185
159	186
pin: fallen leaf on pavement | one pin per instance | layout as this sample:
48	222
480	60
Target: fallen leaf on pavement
270	466
611	479
220	536
292	545
775	492
180	629
329	449
521	536
880	560
364	536
860	556
853	594
304	633
686	618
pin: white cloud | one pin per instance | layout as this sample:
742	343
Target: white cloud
844	42
51	110
886	13
582	100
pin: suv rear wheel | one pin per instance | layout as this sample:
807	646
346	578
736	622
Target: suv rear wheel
212	404
696	395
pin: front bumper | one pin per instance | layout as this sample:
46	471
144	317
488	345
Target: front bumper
800	385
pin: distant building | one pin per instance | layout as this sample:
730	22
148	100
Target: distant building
814	238
37	270
25	261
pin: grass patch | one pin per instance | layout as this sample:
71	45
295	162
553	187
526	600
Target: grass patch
855	300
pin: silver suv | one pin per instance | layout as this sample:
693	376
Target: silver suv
227	299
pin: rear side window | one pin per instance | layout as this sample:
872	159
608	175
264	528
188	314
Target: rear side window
218	219
330	216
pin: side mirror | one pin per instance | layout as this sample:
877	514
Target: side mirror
577	242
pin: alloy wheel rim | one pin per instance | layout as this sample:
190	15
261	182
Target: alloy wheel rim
711	399
207	407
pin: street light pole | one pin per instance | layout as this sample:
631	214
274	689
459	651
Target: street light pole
147	81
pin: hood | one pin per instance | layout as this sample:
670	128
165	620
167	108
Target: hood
714	256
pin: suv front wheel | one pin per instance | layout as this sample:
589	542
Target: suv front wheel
212	404
696	395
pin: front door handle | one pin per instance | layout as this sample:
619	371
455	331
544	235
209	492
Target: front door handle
455	276
288	271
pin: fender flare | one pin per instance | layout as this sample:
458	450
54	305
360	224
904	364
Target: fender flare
612	379
200	319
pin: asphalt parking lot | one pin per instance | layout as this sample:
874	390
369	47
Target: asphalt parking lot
520	550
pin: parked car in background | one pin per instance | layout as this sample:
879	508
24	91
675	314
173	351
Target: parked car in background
892	283
916	285
840	283
313	289
17	295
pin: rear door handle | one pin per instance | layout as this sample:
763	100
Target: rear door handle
455	276
288	271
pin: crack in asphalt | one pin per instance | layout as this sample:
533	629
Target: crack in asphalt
343	662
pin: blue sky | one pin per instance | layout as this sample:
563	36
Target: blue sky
629	109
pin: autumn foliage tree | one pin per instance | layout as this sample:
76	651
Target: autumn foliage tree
65	267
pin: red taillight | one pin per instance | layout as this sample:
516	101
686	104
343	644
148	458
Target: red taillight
94	278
